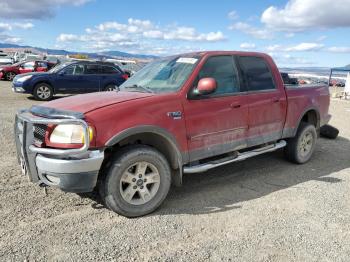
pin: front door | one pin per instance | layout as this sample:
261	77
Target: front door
27	67
70	79
217	123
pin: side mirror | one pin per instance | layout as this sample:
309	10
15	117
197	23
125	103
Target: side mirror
206	86
61	73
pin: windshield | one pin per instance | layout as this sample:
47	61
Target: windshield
165	75
58	67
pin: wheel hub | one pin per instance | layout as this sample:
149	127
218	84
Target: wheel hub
139	183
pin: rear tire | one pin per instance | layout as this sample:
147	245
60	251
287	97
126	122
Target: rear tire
111	88
137	182
329	131
43	92
300	148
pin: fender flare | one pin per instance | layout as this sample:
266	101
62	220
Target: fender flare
182	158
312	108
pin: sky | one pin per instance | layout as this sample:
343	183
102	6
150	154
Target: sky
296	33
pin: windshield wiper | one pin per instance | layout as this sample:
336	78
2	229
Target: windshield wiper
148	90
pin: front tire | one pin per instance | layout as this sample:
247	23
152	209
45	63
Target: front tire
300	148
43	92
137	182
10	76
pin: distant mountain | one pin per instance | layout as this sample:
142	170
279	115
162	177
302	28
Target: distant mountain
123	54
107	54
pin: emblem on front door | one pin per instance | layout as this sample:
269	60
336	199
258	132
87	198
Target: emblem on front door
175	115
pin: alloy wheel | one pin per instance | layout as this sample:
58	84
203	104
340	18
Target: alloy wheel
306	144
43	92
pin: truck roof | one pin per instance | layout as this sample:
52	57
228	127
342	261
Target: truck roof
203	53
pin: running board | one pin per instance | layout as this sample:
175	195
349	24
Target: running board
241	156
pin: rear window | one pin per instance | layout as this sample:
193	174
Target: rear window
110	70
92	69
42	64
256	73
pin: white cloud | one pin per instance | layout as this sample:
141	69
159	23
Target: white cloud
289	35
134	35
67	38
260	33
9	27
290	60
4	38
190	34
300	15
339	49
5	27
305	47
149	30
302	47
321	38
23	25
38	9
233	15
247	46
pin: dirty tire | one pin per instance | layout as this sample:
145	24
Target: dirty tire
127	162
111	88
43	92
300	148
10	76
329	131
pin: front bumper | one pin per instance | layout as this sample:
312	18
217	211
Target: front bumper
71	175
72	170
18	87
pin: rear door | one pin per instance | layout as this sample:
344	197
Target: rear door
41	66
92	77
216	123
266	102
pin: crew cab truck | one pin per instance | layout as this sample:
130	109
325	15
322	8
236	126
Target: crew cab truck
182	114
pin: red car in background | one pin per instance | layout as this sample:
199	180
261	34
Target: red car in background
9	72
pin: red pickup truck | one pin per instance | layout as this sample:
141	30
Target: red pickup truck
182	114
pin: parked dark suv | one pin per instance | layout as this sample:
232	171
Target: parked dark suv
69	78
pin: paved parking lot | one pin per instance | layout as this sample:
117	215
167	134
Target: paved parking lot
262	209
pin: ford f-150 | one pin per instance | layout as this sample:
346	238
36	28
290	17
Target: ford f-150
182	114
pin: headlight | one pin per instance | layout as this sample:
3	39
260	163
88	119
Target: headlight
24	78
69	134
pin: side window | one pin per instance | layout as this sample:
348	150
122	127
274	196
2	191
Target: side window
42	64
223	70
109	70
92	69
256	73
28	65
74	70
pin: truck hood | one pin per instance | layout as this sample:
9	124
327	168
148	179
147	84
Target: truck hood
92	101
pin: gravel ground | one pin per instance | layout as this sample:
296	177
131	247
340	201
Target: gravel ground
262	209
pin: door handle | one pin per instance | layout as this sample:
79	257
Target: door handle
235	105
275	100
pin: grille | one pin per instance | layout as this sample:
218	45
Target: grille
39	133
